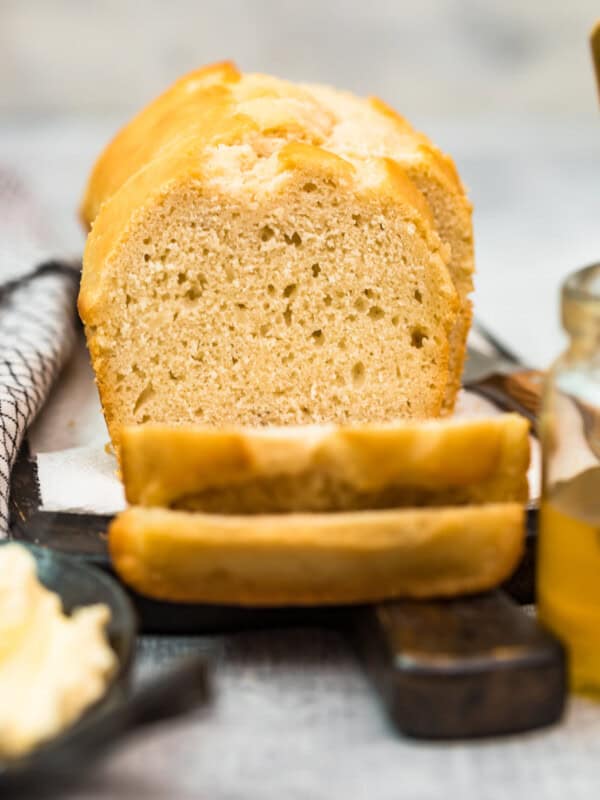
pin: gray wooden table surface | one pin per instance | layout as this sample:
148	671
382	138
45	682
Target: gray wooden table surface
294	716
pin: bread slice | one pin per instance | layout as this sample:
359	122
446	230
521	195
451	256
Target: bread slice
253	261
367	126
325	467
306	559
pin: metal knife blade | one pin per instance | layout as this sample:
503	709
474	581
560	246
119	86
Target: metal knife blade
499	376
480	365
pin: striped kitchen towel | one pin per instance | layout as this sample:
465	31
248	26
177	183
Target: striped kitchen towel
37	319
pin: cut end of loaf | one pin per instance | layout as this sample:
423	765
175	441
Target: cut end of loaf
290	298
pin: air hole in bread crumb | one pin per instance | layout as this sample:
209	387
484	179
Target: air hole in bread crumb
287	315
147	240
242	306
144	396
199	412
375	312
192	224
418	296
318	336
127	299
145	419
146	257
293	239
290	290
358	374
395	320
173	376
342	344
119	377
368	293
316	269
175	315
266	233
193	293
417	337
360	304
234	360
271	289
155	359
357	219
309	187
327	300
181	277
264	329
140	372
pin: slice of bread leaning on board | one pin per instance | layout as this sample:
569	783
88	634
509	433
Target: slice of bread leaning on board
275	295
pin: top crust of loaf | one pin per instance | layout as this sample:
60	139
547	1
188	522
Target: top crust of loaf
268	106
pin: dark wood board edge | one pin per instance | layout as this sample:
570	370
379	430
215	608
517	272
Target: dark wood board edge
462	668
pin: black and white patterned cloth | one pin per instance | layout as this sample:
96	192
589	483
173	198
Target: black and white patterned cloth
37	320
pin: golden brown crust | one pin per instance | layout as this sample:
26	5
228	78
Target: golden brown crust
321	468
175	111
307	559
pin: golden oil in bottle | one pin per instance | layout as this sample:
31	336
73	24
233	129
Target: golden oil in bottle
568	569
569	573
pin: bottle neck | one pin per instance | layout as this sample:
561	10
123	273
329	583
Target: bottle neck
580	311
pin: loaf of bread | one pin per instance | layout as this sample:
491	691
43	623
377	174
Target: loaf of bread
326	467
306	559
268	253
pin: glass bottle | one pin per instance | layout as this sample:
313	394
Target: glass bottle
568	571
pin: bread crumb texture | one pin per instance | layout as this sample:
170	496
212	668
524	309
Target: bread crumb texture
268	253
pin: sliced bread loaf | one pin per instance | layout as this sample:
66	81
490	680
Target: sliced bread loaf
327	468
338	121
304	559
269	253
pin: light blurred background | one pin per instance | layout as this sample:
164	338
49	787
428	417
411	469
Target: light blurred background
507	88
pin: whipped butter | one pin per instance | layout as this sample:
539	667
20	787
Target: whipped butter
52	666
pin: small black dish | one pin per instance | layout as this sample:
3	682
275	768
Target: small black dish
79	585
